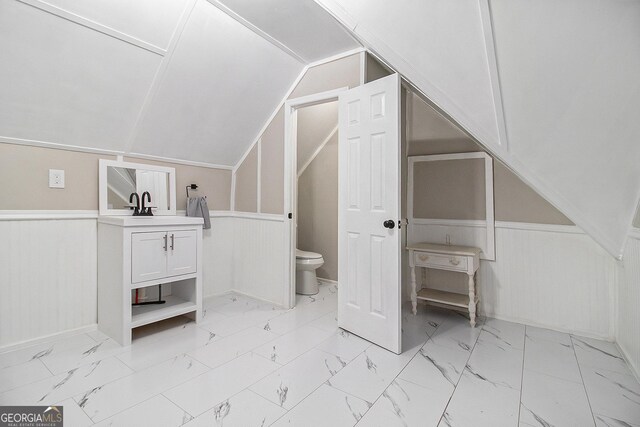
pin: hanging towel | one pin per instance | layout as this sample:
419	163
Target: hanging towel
197	206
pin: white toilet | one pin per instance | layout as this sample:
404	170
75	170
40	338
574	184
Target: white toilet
306	265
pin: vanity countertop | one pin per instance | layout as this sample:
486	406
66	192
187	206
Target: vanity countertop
149	221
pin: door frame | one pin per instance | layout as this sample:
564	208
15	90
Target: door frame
291	107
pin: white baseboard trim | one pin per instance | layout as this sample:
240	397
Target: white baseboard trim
327	281
526	322
246	294
233	291
48	338
208	297
632	367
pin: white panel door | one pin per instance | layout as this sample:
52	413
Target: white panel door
148	256
182	252
369	210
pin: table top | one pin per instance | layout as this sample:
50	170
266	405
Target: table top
444	249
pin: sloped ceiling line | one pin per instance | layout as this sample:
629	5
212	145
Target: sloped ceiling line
317	151
126	38
160	72
568	203
408	71
257	30
494	74
108	31
288	94
270	118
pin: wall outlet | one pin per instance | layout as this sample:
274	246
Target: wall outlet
56	178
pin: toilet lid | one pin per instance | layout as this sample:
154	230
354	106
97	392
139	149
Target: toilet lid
307	255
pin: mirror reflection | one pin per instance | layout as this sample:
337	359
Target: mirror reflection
121	182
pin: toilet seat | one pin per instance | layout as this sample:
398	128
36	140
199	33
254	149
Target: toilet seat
307	255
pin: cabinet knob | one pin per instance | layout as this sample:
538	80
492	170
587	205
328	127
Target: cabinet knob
423	257
454	261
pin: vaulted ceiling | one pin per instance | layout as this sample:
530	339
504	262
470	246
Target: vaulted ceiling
549	87
192	80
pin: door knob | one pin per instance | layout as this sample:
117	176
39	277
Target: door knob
389	224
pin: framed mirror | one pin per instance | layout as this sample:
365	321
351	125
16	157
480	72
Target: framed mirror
117	180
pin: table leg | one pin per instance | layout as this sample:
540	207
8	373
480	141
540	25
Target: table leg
414	294
472	301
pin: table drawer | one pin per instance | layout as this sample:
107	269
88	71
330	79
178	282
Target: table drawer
448	262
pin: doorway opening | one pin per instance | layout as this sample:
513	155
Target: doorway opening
311	191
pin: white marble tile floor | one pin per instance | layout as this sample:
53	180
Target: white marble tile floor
250	363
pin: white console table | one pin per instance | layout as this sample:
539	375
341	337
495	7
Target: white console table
463	259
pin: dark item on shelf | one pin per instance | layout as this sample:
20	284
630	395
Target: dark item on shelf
159	301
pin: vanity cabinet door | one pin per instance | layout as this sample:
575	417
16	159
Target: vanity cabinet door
182	252
148	256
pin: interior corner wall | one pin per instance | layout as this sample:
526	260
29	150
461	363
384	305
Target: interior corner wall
628	301
318	208
272	166
246	190
375	70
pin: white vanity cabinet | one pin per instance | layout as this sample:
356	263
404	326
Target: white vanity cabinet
159	254
136	253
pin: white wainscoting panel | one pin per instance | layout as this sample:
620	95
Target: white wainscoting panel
48	269
628	322
217	257
48	278
258	258
558	279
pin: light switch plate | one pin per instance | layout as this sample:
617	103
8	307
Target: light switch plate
56	178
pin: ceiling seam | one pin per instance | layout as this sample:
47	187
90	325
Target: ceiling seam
486	22
159	75
288	94
318	150
93	25
275	42
271	117
481	135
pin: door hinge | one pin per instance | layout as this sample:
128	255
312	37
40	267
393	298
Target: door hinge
290	215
